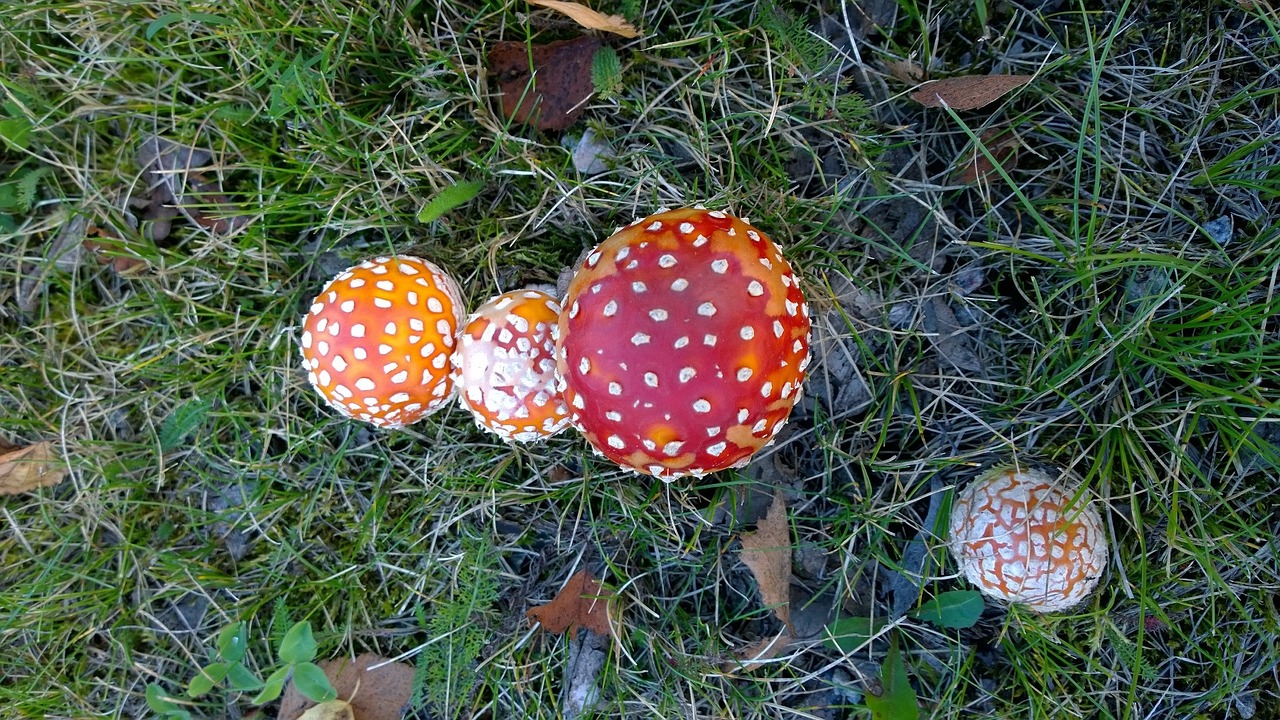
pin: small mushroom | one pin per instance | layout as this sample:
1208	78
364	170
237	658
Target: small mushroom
377	340
1024	536
683	343
505	367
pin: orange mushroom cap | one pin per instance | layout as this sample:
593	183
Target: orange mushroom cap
377	340
1024	536
683	343
505	367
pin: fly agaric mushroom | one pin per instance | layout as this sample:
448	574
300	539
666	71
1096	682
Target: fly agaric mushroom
505	367
683	343
1024	536
377	340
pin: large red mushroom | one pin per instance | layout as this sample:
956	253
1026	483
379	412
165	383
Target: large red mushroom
377	340
683	343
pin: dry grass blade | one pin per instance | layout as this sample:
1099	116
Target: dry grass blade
968	92
588	18
755	655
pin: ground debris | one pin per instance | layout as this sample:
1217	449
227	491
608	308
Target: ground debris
29	468
952	343
767	552
564	84
582	603
590	152
587	655
968	92
836	380
1003	146
375	688
173	180
590	19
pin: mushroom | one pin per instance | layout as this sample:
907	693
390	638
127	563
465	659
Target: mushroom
1024	536
505	367
683	343
377	340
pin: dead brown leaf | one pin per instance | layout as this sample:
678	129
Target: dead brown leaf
590	19
559	95
380	693
174	181
904	71
767	551
968	92
112	250
29	468
1002	145
332	710
582	602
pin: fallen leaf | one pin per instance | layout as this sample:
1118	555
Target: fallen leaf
28	468
380	693
112	250
904	71
332	710
582	602
559	95
173	180
590	19
1003	146
767	551
968	92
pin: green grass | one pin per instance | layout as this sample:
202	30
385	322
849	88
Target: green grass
1082	308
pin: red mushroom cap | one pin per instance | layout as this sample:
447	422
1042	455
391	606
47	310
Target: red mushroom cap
505	367
377	340
683	343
